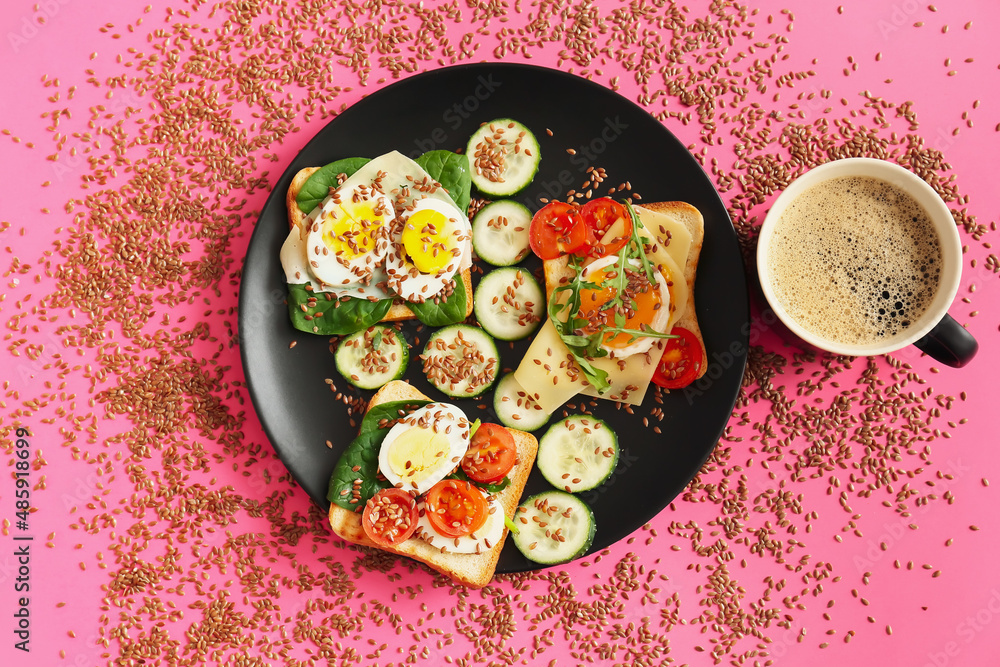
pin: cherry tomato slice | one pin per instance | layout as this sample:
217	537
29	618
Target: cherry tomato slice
602	215
390	517
557	229
681	361
492	453
456	507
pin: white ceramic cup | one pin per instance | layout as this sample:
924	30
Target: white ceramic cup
934	332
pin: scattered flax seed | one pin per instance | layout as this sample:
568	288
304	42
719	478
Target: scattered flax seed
185	174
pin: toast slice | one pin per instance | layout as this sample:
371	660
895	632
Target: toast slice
473	570
558	270
296	219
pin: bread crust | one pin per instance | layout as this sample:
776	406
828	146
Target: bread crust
473	570
296	219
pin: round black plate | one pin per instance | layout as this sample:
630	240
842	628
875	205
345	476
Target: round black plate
441	109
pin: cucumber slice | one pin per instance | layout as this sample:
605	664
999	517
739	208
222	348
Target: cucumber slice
578	453
514	408
461	360
509	303
554	527
500	232
370	358
503	157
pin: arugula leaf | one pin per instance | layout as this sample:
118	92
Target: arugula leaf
637	242
317	187
338	317
444	312
580	346
362	453
451	170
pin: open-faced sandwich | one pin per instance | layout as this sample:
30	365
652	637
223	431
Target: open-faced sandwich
379	240
620	286
422	481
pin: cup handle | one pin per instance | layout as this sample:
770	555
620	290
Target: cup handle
950	343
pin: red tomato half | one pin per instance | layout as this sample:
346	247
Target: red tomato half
557	229
456	507
603	215
492	453
390	517
681	361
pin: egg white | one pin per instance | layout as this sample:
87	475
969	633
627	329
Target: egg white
448	421
407	280
660	320
406	186
339	270
488	536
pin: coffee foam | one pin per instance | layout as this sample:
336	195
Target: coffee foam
855	260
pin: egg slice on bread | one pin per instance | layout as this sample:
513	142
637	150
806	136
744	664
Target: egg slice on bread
475	568
352	243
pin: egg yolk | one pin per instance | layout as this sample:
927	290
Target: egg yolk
640	305
429	239
416	451
352	231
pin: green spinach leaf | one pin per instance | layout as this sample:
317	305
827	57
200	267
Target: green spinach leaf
451	170
317	187
444	312
362	454
332	317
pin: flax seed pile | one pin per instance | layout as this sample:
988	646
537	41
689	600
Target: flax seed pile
209	552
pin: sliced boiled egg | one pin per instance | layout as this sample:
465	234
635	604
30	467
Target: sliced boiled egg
645	304
348	238
424	447
487	537
429	246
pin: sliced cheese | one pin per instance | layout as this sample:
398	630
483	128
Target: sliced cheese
546	372
629	380
668	234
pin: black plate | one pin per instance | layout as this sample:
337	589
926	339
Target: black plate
441	109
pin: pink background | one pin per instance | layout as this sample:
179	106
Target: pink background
82	504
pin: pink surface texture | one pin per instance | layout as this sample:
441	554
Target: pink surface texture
163	529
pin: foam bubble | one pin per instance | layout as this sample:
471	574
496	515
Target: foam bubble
855	260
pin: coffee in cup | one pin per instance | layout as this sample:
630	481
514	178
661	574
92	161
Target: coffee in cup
861	257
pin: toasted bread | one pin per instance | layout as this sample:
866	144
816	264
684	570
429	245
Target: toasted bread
473	570
557	270
296	219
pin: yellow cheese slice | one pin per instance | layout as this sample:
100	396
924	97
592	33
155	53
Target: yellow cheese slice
629	379
545	373
548	375
668	234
